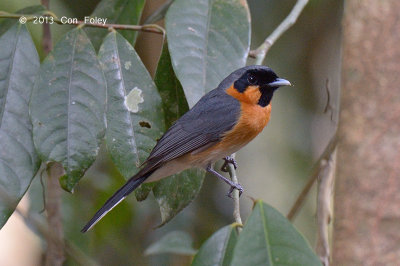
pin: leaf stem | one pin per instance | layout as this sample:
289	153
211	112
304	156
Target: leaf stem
153	28
260	53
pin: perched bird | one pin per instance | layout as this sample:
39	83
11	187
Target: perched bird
222	121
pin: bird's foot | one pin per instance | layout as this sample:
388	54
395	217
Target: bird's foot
235	186
228	160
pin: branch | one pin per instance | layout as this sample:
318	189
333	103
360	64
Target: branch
55	234
330	148
153	28
236	202
324	207
260	53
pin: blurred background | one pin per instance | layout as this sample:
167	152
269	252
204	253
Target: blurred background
274	167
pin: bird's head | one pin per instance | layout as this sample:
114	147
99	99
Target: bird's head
255	84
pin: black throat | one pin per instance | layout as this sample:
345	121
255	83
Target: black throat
266	96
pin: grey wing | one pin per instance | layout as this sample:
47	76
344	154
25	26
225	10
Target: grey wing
215	113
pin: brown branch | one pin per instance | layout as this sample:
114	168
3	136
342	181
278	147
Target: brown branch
260	53
55	234
316	172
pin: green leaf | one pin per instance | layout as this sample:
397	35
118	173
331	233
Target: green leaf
208	39
135	117
19	64
175	192
5	24
268	238
218	249
170	89
67	107
177	242
118	12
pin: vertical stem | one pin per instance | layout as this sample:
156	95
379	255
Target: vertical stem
55	236
324	208
55	244
46	39
236	202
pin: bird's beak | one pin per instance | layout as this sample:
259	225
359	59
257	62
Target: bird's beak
279	83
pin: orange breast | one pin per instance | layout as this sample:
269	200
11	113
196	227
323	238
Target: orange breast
253	118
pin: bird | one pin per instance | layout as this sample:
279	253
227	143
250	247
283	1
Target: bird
219	124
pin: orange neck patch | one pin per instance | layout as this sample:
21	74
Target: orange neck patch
251	95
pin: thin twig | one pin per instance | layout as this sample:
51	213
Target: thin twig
153	28
235	193
260	53
317	169
324	207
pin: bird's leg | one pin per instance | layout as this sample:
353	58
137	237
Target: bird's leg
226	180
228	160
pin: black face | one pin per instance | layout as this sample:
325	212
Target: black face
262	77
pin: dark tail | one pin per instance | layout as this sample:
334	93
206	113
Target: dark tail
115	199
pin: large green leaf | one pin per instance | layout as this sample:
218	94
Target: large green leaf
268	238
19	64
135	117
208	39
5	24
67	106
116	11
177	242
176	192
218	249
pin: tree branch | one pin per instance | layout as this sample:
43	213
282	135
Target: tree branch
55	234
260	53
235	193
153	28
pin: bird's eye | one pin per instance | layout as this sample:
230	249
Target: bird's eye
251	79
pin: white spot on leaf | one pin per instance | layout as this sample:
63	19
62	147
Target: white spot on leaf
127	65
133	99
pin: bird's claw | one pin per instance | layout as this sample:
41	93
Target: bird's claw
228	160
235	186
